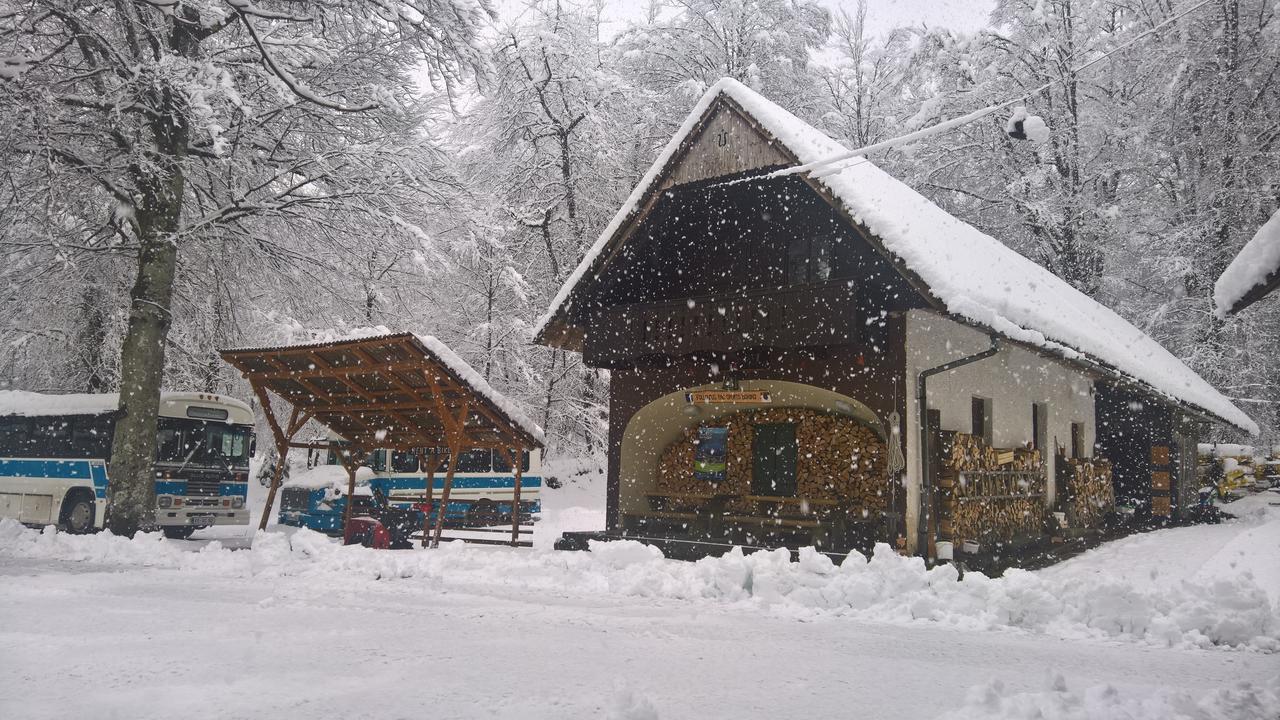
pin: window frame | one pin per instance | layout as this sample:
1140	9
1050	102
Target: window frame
806	251
981	417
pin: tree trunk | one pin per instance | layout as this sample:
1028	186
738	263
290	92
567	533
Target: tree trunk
132	487
160	182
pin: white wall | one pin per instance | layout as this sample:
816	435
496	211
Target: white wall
1013	379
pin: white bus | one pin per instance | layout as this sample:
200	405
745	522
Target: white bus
483	489
54	451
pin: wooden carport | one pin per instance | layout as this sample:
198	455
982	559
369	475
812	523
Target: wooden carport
400	391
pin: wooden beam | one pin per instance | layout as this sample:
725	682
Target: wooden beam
333	371
282	450
454	450
352	463
517	465
427	461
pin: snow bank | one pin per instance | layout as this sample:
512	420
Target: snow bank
1230	613
1104	702
1258	260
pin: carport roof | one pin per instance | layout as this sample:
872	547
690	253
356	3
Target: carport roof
395	390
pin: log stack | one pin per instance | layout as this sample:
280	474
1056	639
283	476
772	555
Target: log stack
837	458
969	452
990	494
1090	494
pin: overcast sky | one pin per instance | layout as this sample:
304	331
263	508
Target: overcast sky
882	15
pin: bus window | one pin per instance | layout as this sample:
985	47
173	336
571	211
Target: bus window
500	464
91	436
50	437
404	461
169	443
14	432
203	443
474	461
376	460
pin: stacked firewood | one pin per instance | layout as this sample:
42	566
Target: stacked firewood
990	494
969	452
837	458
992	520
1090	494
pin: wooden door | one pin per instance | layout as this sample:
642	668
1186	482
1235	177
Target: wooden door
773	466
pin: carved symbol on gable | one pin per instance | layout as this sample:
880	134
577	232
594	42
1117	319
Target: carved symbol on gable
722	138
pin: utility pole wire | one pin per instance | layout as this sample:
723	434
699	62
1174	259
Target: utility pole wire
949	125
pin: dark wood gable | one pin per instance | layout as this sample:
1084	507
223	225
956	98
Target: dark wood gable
729	268
726	144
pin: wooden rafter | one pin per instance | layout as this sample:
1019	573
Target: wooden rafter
353	400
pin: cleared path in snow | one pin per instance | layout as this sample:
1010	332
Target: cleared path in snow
164	643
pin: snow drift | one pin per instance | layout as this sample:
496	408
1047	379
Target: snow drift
1228	613
1104	702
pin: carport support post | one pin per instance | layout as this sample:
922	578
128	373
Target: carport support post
455	446
352	464
282	450
517	462
428	461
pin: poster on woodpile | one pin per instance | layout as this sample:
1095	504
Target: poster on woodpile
709	458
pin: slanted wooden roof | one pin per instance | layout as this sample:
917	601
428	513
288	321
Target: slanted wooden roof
962	272
396	390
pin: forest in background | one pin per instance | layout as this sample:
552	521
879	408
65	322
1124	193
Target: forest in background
459	206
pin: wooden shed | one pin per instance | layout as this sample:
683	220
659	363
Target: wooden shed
825	357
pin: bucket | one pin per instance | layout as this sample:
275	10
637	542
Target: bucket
944	550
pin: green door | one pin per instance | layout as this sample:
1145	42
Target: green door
773	467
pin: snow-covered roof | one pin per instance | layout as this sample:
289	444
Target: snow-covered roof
976	277
172	404
1253	273
450	360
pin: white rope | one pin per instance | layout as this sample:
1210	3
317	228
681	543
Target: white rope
948	125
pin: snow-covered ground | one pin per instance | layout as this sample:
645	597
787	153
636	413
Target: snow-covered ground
1177	623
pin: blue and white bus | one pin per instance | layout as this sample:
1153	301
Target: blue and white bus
54	451
482	494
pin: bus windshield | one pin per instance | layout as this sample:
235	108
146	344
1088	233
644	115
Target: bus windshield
202	442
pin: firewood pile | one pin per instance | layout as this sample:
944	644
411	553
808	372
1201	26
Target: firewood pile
969	452
990	494
837	458
1090	494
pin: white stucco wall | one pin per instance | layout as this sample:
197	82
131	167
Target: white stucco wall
1013	379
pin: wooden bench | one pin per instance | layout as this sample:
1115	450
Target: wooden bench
785	506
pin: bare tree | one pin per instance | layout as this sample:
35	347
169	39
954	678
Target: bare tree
189	118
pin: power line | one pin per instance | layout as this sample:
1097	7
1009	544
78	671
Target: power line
948	125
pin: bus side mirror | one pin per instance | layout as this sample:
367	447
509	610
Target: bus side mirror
253	445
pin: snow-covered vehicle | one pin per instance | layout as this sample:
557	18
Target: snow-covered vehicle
317	499
482	494
54	451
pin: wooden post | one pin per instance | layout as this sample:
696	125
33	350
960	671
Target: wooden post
282	450
428	460
518	464
282	456
455	447
352	464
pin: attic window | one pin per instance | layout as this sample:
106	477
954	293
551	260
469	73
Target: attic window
809	259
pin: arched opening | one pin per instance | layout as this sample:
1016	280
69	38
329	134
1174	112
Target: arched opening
837	458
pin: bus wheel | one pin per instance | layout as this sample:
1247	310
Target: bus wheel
483	513
77	513
178	532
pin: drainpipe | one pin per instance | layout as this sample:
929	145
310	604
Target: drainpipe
922	413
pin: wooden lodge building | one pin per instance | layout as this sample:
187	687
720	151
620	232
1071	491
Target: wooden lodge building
769	337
